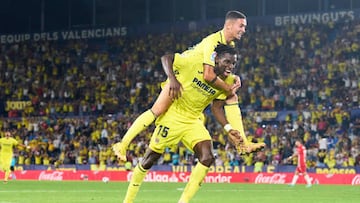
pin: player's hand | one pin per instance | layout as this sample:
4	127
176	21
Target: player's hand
232	99
232	89
237	80
287	160
234	137
236	85
175	88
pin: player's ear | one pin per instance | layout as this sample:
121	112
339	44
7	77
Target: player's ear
216	60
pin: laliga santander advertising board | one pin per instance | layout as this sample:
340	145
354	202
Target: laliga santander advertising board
164	176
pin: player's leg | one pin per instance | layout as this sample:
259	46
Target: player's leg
233	115
206	158
165	134
203	150
295	177
12	174
160	106
139	174
307	179
6	162
12	168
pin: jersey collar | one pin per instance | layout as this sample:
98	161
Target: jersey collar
223	40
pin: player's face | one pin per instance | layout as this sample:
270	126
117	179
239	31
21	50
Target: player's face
225	65
7	134
237	28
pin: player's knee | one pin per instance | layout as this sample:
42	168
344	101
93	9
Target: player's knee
207	159
150	158
147	165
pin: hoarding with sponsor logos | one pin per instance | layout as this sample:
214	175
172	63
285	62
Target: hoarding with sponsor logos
163	176
213	169
167	173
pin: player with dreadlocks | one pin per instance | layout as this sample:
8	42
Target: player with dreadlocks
234	27
181	123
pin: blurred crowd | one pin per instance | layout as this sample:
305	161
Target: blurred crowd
83	95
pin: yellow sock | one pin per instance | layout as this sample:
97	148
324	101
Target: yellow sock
233	115
7	174
135	183
196	178
140	124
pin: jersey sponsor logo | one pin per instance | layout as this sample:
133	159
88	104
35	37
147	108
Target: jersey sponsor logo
205	87
212	57
6	145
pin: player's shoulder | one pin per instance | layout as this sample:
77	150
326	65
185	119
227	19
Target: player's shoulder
213	37
215	34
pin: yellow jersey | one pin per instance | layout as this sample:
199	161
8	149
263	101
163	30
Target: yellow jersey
197	93
188	67
7	145
203	52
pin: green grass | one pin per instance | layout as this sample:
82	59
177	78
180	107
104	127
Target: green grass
113	192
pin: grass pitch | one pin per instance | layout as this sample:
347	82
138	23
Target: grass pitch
113	192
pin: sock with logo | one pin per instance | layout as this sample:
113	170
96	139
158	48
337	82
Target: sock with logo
233	115
196	178
140	124
135	183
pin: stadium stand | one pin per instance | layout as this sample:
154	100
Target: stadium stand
84	94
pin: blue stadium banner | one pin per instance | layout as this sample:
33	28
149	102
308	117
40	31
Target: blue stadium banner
92	33
319	17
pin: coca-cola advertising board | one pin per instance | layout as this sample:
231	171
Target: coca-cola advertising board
163	176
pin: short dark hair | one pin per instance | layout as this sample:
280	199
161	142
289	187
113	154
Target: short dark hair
234	15
222	49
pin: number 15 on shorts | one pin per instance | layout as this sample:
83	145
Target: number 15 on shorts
163	131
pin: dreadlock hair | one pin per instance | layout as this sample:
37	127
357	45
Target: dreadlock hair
222	49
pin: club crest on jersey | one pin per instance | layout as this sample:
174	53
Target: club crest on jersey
212	57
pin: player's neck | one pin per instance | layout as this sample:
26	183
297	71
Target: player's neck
227	36
228	39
